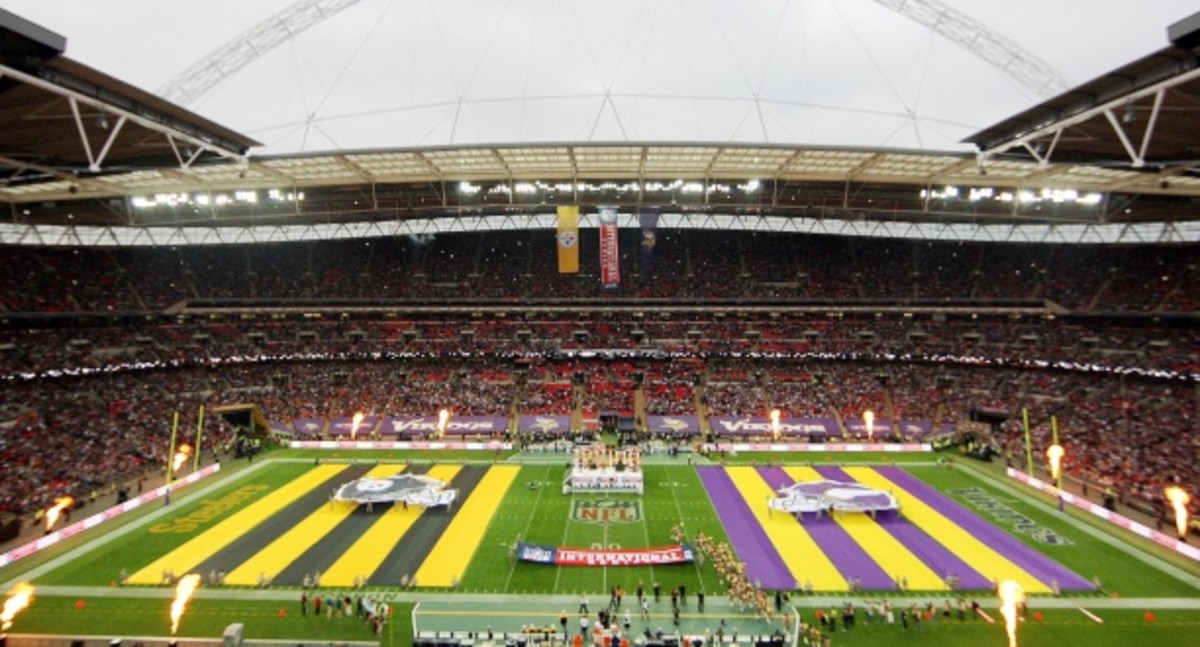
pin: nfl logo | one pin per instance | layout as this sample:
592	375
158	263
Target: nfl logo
607	511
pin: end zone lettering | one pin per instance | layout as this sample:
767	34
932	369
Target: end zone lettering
209	510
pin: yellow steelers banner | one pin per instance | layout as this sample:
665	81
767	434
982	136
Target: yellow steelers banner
568	240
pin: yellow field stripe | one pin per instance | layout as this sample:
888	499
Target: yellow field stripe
206	544
979	555
368	552
806	560
879	544
453	551
275	556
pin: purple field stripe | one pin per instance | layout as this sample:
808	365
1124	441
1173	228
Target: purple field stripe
932	553
847	556
1024	556
750	541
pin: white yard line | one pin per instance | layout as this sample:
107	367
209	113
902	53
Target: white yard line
696	563
1089	614
566	528
532	513
646	530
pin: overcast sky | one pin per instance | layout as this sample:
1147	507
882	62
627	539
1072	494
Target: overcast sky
396	73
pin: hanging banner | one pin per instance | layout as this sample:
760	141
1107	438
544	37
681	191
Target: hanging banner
648	219
610	254
568	240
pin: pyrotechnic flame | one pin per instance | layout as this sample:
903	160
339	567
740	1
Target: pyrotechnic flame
1054	454
181	457
1179	500
183	592
1011	595
18	598
443	418
60	504
354	423
869	418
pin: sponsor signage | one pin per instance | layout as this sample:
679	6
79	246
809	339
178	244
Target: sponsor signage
560	556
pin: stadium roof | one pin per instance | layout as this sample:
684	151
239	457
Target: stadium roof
167	166
1143	116
63	120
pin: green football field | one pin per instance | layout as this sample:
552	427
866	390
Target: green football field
78	593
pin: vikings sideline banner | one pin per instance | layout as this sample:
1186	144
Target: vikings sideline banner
687	425
548	424
308	426
568	240
759	426
610	253
562	556
342	426
456	426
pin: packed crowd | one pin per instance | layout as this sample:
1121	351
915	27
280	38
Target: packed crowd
94	431
685	265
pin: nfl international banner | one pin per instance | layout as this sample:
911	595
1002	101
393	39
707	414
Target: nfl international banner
610	253
562	556
648	219
568	240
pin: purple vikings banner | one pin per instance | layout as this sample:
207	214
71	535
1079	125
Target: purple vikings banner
924	428
761	426
308	426
544	424
882	427
457	426
648	219
342	426
610	253
687	425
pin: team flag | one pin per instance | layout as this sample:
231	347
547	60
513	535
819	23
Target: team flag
648	219
568	240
